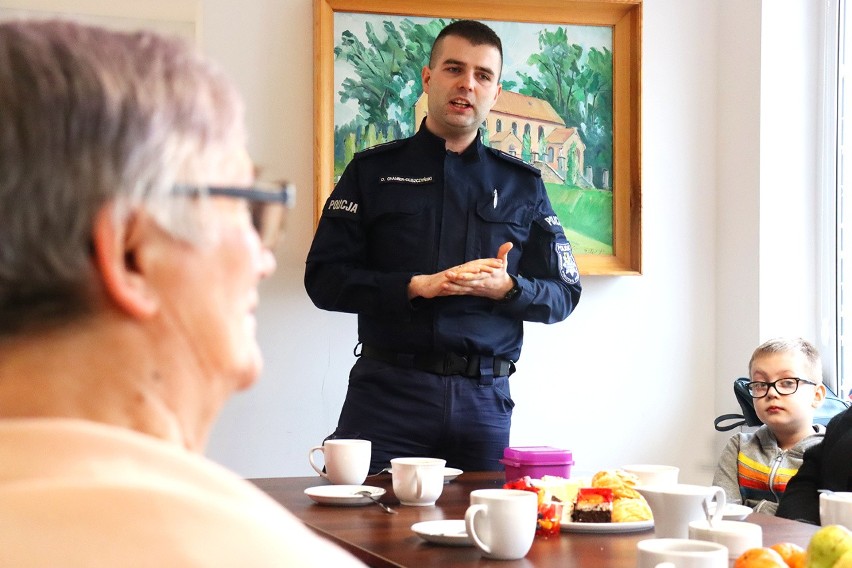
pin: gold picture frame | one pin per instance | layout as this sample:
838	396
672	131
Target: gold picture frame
625	19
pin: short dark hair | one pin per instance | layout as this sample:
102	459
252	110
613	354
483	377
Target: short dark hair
475	32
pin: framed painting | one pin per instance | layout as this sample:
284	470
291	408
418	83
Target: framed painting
570	106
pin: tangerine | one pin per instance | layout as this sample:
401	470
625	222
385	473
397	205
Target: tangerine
793	554
760	558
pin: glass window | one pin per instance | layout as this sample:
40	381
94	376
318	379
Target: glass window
838	205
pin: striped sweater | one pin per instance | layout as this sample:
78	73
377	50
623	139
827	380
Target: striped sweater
754	471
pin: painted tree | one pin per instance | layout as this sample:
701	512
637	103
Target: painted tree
596	109
573	165
349	147
386	82
557	66
578	86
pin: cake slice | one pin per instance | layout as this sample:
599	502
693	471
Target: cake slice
593	505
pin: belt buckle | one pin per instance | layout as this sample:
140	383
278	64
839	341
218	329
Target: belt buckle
471	369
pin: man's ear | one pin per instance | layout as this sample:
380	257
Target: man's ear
425	76
116	245
819	395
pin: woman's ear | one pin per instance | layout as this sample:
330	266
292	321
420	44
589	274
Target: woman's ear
116	243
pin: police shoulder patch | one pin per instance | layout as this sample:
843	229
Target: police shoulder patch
513	160
568	270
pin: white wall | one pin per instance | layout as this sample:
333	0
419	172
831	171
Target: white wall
639	371
645	363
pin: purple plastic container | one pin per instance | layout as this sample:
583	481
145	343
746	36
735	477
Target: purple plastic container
536	461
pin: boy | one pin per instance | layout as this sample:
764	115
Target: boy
786	384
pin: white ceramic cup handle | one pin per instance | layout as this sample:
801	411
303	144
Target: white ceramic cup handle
418	482
317	468
469	515
665	565
721	500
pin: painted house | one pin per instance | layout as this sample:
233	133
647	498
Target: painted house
513	116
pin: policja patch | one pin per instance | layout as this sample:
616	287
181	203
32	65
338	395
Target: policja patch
568	270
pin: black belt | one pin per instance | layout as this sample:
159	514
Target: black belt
441	363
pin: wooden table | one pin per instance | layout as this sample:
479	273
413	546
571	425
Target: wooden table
384	540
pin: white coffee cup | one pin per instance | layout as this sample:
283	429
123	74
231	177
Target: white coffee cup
737	536
502	522
681	552
418	481
835	508
675	506
347	462
650	474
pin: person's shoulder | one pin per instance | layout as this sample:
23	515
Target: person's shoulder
761	436
510	159
811	439
380	149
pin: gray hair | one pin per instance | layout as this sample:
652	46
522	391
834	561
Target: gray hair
792	345
88	117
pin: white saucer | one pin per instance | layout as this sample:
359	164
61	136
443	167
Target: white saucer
342	495
448	532
732	511
450	473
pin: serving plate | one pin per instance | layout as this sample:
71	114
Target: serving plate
343	495
635	526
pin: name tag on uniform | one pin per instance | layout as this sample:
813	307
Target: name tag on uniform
407	180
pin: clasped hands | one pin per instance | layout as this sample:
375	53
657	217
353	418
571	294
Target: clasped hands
485	277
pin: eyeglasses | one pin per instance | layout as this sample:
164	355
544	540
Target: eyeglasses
268	203
760	389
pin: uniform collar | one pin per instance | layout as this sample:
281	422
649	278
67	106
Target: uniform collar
434	143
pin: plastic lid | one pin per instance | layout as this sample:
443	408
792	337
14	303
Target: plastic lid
538	455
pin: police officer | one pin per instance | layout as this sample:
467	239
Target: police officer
406	241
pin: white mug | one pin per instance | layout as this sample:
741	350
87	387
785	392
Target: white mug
681	552
737	536
418	481
502	522
675	506
347	462
835	508
650	474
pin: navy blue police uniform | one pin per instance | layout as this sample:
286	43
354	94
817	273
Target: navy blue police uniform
432	376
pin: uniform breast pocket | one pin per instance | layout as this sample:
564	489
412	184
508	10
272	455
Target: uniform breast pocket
399	228
508	222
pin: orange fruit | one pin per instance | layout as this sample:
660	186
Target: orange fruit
760	558
793	554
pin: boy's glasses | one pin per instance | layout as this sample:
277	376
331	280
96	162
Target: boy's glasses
760	389
268	203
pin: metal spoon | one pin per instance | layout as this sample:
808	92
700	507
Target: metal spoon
369	496
381	471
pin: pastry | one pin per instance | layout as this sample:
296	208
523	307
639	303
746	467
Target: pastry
630	511
593	505
621	483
